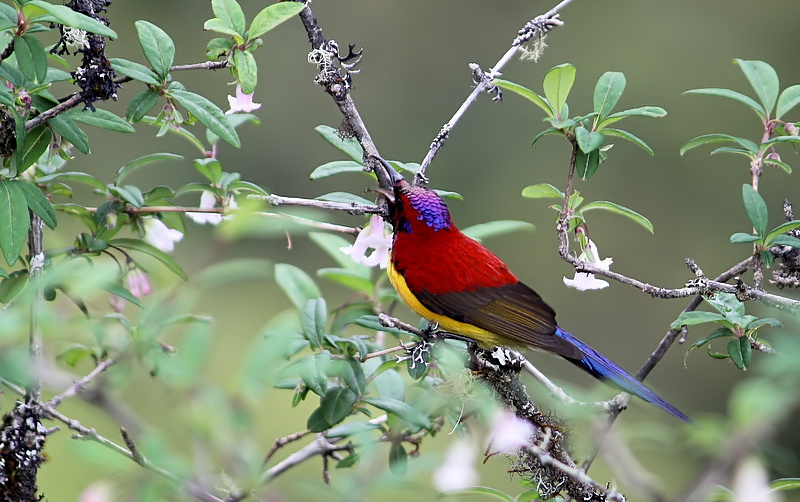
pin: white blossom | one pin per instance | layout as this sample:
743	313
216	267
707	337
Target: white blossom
509	432
457	471
584	281
750	483
242	102
207	201
160	236
100	491
373	236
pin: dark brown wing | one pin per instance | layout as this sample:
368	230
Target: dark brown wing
514	312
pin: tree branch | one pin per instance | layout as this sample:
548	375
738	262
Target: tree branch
537	27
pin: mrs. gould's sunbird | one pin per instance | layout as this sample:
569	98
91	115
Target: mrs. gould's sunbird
449	278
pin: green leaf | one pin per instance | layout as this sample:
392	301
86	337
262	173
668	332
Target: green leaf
607	92
557	84
642	111
117	289
630	137
337	404
485	490
348	278
68	17
246	69
785	484
297	285
230	13
75	354
719	138
31	57
135	71
780	139
271	16
782	229
618	209
101	118
542	191
717	333
401	409
756	209
777	163
527	94
69	130
398	459
735	353
494	228
218	47
208	113
741	237
747	352
157	47
587	163
14	220
446	194
220	27
142	161
348	145
348	461
546	132
788	99
785	240
763	79
345	198
313	319
37	202
760	323
695	317
588	141
141	104
75	176
36	142
143	247
736	96
336	167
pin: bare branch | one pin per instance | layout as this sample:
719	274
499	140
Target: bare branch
539	26
81	384
351	208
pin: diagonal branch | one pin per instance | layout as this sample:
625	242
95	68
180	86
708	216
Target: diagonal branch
537	27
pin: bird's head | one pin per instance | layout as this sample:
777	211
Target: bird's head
417	209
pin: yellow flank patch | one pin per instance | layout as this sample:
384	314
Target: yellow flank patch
480	335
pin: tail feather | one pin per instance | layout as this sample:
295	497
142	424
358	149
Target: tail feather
603	368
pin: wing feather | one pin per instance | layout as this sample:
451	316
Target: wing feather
513	311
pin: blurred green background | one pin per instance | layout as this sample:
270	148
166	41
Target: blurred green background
413	77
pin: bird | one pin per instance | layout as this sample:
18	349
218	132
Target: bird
454	281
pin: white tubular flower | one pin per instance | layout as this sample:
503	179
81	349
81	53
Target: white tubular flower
160	236
242	102
508	432
584	281
751	483
373	236
457	472
207	201
100	491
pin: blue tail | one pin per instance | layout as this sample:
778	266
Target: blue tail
603	368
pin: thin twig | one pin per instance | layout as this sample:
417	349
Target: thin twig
351	208
539	25
281	442
338	85
81	384
36	252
